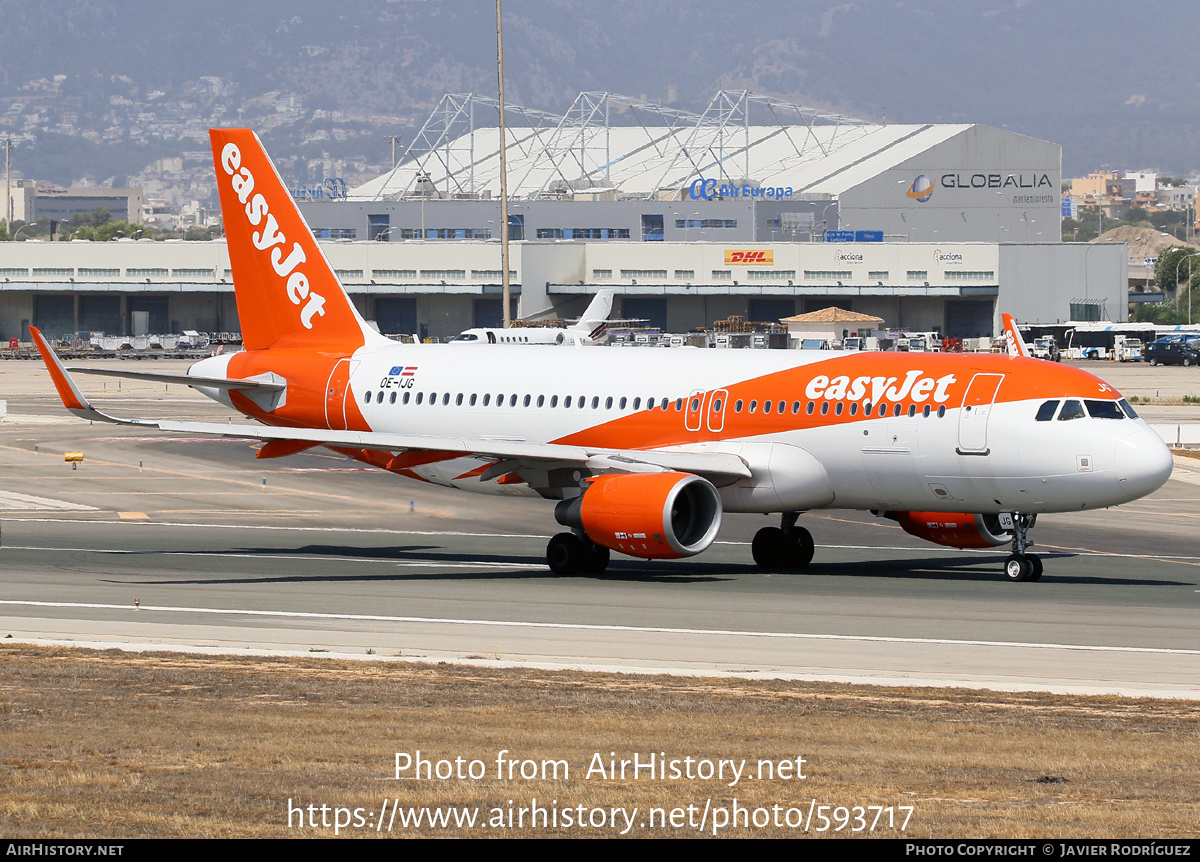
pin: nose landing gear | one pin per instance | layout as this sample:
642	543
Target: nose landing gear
1021	566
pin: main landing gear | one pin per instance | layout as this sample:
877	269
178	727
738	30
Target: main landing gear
1021	566
575	554
784	547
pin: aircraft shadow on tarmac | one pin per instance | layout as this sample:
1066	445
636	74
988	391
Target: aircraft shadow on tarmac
965	568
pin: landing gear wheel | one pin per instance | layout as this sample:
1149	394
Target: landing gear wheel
1036	562
1018	568
769	548
774	548
565	554
800	548
595	559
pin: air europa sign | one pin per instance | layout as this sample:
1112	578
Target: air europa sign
749	257
708	189
270	237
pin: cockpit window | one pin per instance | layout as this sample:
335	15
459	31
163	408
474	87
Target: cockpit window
1071	410
1046	411
1104	410
1129	411
465	336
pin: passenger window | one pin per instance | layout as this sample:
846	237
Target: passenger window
637	403
782	406
883	410
824	407
446	398
795	407
541	400
458	399
525	403
406	394
753	406
512	400
567	401
678	404
716	405
553	400
392	398
1071	410
809	409
595	402
1104	410
896	410
420	396
766	407
379	397
621	403
737	406
487	399
925	411
838	409
1046	411
941	410
366	397
608	403
912	410
665	402
695	404
853	408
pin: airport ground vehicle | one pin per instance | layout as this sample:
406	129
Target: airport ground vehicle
643	452
1176	351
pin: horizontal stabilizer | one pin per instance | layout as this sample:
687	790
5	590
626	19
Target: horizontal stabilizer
185	379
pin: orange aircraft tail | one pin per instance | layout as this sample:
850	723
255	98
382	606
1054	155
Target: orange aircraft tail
287	293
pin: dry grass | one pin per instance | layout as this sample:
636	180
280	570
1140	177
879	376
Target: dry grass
128	745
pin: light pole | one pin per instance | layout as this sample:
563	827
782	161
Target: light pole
1188	257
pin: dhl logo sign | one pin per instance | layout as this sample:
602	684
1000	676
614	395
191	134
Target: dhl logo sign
749	257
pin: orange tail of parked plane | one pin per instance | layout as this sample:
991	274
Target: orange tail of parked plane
287	293
1013	342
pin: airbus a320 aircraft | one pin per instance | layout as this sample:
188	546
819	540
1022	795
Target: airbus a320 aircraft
644	450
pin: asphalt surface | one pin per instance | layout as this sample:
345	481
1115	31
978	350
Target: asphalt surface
161	542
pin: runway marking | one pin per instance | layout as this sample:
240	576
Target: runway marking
133	516
12	500
313	615
300	529
1168	558
289	557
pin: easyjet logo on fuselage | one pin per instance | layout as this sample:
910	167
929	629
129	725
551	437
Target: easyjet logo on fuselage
270	237
916	386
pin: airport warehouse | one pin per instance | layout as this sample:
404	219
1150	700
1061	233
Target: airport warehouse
755	208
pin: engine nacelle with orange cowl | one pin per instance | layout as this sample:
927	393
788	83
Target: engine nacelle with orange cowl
954	529
648	515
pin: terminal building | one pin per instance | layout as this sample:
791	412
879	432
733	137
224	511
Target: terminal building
754	207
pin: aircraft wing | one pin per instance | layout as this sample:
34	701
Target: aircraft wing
719	467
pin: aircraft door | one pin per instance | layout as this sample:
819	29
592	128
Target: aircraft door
694	410
973	417
336	391
716	410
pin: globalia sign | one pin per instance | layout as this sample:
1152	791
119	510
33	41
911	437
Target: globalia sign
922	189
702	189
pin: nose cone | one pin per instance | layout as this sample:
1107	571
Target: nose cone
1143	464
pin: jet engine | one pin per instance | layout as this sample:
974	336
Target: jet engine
956	530
648	515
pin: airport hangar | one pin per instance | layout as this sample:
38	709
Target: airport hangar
688	218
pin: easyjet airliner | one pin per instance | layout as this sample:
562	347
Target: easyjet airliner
645	450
